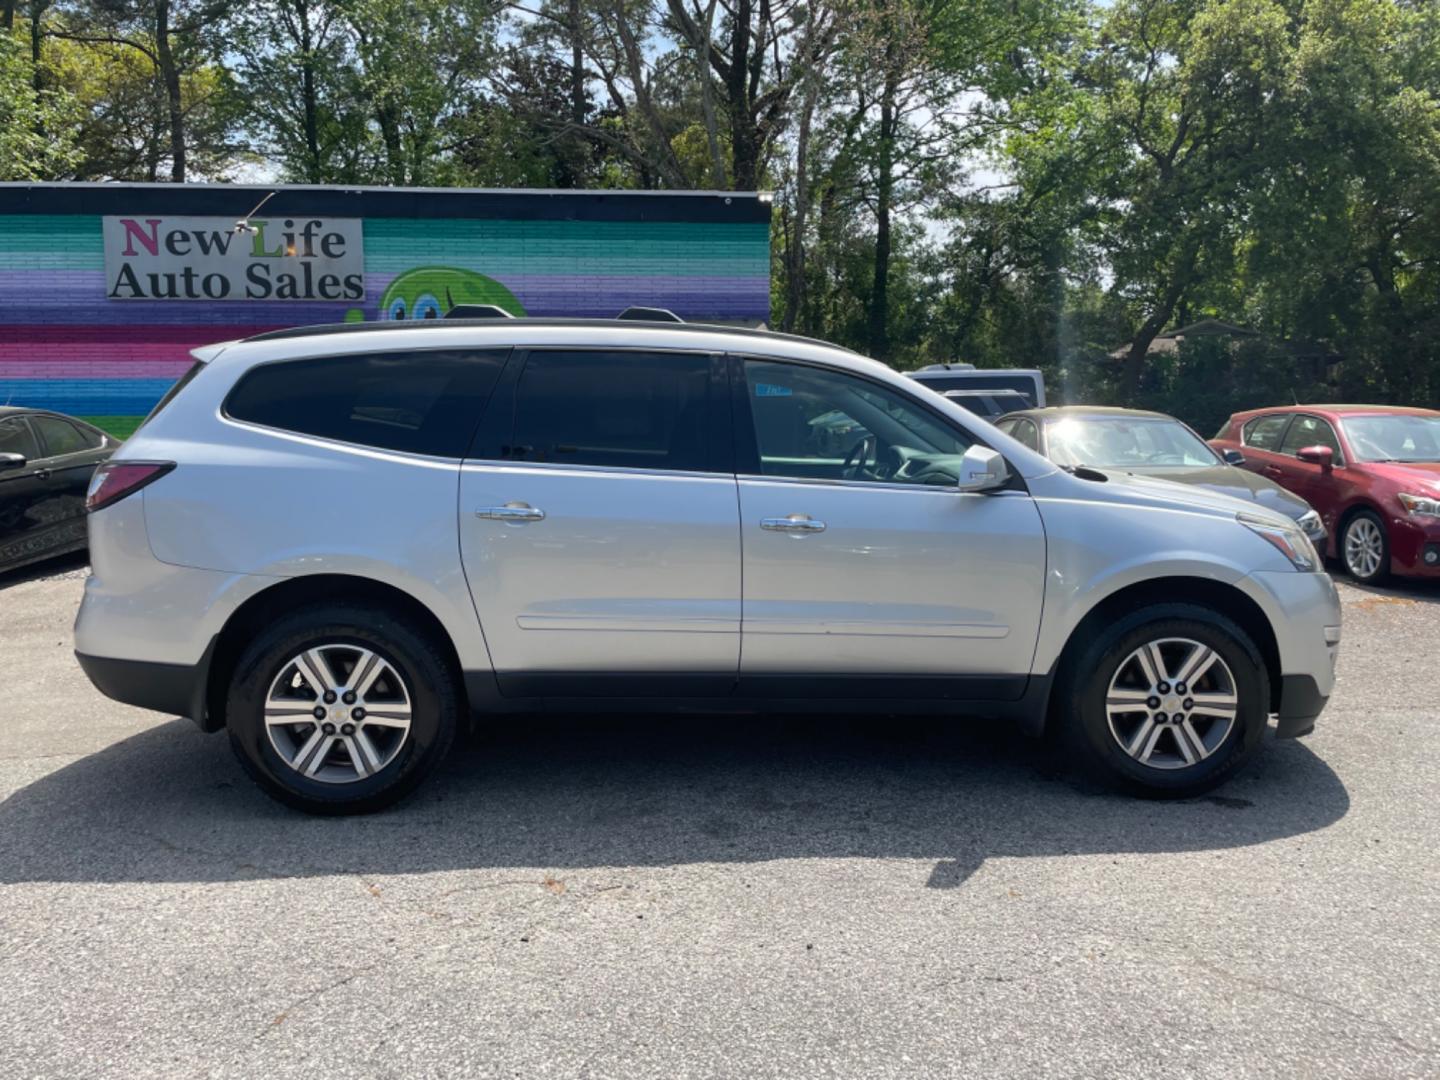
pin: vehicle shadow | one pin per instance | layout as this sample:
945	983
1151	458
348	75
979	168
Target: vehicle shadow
171	804
52	567
1416	590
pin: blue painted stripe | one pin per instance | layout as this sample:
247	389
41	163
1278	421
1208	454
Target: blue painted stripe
85	397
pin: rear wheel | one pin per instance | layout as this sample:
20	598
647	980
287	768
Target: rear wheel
1365	549
341	709
1167	702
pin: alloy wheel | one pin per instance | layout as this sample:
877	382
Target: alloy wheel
1364	547
1172	703
338	713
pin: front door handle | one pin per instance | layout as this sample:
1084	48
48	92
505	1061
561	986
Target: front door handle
794	523
516	511
42	474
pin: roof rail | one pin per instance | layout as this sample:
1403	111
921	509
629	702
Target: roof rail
477	311
636	313
401	325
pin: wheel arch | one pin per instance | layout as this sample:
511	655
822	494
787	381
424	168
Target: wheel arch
1217	596
1348	514
292	593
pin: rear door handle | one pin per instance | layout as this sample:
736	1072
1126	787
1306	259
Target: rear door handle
794	523
511	512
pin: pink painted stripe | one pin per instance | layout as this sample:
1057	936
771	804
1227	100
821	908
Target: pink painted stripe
120	359
93	369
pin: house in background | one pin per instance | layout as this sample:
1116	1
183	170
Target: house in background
1313	360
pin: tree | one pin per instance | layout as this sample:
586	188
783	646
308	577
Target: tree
179	39
294	66
36	126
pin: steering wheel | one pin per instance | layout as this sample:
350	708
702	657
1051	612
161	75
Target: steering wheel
861	452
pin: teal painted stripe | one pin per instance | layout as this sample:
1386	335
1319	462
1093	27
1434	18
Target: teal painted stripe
599	265
72	232
385	229
683	249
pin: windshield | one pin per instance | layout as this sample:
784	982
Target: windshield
1124	442
1393	438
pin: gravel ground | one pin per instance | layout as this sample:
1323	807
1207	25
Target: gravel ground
679	898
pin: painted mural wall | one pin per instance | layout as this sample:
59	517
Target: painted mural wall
101	302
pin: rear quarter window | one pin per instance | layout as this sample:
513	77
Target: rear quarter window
1265	432
417	402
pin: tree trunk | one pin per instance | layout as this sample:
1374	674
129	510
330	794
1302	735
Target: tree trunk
879	319
577	67
795	283
9	19
744	139
170	75
1181	274
313	169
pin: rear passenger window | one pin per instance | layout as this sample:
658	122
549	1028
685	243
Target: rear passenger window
1263	433
419	402
1026	434
638	410
61	437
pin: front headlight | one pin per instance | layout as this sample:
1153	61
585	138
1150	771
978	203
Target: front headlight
1286	539
1310	524
1420	505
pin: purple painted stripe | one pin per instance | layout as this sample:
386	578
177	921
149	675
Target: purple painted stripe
49	297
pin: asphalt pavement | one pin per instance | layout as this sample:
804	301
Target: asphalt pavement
679	898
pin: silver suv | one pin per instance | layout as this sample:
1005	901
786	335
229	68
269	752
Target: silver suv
340	543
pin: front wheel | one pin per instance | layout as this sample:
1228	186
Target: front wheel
1365	549
1166	702
341	709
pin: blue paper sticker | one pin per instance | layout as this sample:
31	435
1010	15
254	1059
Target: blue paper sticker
771	390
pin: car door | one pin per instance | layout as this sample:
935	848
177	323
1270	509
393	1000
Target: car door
1262	436
70	454
865	571
1316	484
21	489
599	528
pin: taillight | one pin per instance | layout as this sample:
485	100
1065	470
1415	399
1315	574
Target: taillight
116	479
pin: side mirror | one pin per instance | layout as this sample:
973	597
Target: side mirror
982	469
1317	455
12	461
1233	457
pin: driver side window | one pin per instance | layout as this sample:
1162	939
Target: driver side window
813	423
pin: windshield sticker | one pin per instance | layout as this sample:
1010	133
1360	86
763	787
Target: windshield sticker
771	390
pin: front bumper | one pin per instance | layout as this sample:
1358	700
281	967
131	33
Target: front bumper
1300	703
1415	546
1303	610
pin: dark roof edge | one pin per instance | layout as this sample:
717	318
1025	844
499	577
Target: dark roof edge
339	200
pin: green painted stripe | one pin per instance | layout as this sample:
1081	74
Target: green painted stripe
31	232
122	427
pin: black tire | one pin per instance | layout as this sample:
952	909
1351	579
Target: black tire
1382	571
419	662
1085	730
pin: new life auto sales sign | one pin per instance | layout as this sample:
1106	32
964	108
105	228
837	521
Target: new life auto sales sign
205	258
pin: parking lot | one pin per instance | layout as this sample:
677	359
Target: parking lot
719	897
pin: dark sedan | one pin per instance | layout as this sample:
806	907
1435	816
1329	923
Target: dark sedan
46	461
1149	444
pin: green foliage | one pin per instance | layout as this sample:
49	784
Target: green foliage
1034	183
37	137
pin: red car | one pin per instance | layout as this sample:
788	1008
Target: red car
1372	471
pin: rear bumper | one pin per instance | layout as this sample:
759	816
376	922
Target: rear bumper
177	689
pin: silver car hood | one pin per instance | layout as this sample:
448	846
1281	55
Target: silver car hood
1152	491
1235	482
